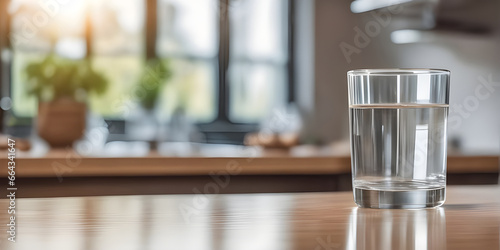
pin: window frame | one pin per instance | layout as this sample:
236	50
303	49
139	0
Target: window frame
222	129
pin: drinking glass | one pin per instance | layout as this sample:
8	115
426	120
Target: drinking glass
398	123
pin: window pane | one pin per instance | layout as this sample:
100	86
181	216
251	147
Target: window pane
118	43
259	29
118	26
255	90
43	25
23	105
122	76
187	27
192	87
257	72
187	39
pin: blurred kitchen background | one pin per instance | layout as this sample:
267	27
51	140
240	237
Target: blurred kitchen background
169	74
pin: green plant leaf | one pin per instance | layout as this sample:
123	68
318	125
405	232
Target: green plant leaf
55	77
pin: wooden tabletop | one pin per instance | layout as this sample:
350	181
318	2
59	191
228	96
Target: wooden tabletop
470	219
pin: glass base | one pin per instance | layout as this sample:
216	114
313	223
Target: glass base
427	198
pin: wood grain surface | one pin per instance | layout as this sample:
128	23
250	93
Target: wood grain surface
470	219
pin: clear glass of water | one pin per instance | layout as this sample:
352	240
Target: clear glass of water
398	123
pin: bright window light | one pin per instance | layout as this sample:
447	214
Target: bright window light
406	36
360	6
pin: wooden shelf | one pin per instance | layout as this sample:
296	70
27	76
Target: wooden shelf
55	164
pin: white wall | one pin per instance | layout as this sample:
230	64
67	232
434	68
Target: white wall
467	56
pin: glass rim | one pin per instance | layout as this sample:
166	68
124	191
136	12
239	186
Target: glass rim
398	71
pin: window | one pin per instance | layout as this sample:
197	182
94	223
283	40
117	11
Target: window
230	58
258	58
187	38
117	40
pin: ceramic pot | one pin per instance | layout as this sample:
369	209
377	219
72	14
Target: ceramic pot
61	122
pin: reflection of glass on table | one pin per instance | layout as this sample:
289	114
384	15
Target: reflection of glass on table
396	229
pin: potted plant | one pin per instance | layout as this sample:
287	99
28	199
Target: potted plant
61	86
143	123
